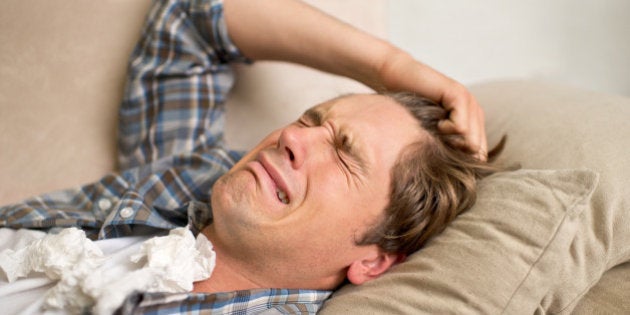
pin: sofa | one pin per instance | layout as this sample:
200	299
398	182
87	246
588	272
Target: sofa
550	237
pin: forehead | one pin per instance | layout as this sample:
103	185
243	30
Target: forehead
365	109
377	124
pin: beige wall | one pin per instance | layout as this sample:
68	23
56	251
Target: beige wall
584	43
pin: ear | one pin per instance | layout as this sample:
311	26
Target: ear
369	268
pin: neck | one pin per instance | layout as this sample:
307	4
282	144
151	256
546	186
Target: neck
224	279
234	272
229	274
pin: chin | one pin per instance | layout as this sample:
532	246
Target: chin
224	195
231	193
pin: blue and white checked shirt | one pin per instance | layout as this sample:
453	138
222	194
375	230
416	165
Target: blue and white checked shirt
171	152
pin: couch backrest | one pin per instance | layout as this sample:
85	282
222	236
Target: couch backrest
62	68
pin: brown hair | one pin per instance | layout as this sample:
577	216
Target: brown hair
432	182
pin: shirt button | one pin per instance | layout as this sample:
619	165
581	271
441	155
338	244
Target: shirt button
126	212
104	204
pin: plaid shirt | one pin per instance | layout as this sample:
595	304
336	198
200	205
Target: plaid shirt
171	152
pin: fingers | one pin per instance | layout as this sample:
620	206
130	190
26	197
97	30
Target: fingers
467	120
465	123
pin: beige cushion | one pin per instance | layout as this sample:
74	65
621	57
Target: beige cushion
611	294
549	127
559	127
497	257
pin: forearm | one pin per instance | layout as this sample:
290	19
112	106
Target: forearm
293	31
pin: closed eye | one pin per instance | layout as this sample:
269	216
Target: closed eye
342	147
341	143
314	117
348	154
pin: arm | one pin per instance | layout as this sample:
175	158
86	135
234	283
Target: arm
292	31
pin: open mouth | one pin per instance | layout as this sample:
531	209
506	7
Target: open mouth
282	196
276	178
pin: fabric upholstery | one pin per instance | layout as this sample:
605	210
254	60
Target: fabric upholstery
62	69
555	127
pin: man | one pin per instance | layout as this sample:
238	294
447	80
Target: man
307	192
305	208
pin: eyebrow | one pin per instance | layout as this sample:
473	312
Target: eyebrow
314	115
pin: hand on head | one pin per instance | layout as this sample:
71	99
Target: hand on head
401	72
466	118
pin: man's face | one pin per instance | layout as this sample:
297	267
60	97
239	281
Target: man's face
299	201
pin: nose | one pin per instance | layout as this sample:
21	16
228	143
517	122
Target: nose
298	143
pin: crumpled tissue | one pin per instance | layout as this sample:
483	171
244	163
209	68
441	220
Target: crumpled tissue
166	264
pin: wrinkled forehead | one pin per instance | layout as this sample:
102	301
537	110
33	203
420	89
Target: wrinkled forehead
326	106
355	104
378	117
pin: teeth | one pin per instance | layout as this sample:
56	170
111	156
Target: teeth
283	197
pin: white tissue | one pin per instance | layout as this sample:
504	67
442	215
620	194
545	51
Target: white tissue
68	257
170	264
172	256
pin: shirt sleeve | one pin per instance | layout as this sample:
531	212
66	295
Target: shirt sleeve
255	301
168	193
178	79
170	134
